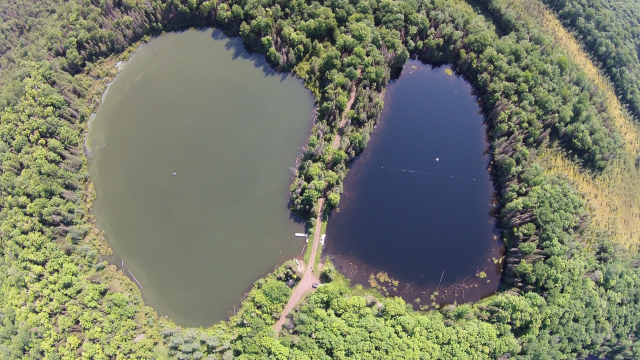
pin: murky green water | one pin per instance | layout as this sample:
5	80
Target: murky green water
230	128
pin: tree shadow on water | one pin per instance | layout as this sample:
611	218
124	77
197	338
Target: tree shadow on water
298	220
240	51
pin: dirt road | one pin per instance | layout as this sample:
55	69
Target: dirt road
336	140
304	287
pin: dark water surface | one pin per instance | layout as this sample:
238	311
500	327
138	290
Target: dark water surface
230	128
417	203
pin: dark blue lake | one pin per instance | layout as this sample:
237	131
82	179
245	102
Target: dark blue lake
418	203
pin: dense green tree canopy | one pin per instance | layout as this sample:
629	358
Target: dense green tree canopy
610	30
565	295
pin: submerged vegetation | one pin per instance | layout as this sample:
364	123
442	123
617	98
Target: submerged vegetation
569	290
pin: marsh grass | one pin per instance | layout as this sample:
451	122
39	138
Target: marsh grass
612	196
534	10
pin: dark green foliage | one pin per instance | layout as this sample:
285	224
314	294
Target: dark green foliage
565	296
610	31
528	90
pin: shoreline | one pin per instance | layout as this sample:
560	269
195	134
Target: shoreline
104	83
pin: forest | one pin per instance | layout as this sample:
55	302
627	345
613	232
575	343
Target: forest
566	292
610	30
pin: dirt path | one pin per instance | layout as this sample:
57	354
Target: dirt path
336	140
305	287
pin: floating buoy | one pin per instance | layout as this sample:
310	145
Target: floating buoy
174	173
437	159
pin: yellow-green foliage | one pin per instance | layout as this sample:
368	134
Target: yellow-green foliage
58	300
613	196
535	10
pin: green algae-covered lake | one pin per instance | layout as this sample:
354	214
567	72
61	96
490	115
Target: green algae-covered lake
230	128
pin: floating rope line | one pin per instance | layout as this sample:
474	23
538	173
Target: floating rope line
432	174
